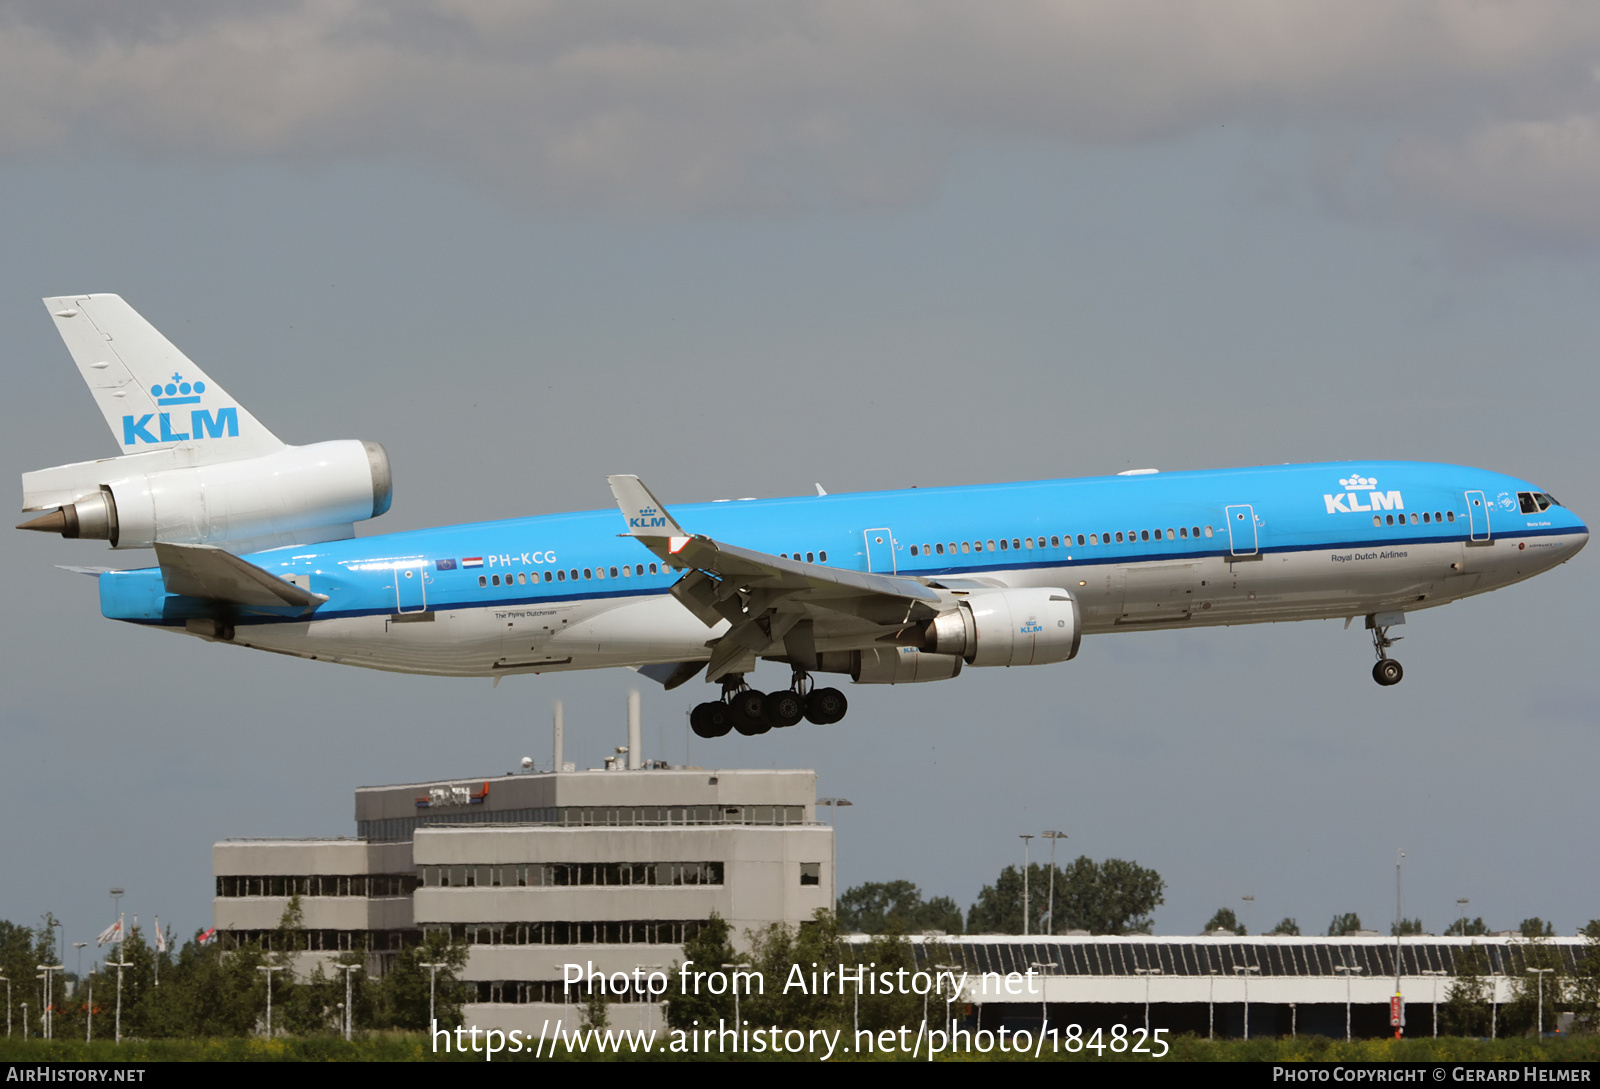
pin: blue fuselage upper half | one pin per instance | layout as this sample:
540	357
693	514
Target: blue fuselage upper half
973	531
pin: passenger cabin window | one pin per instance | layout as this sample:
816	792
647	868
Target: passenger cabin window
483	580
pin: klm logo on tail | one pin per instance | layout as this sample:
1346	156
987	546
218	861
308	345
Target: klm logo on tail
202	423
648	518
1357	486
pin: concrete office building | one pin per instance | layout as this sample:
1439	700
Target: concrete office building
610	868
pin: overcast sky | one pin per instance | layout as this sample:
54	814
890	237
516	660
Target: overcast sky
740	249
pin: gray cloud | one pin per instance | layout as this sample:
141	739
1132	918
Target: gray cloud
715	106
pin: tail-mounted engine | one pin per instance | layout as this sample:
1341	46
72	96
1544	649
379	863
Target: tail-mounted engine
296	494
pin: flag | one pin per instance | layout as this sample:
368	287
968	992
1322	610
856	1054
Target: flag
112	933
205	937
161	939
472	561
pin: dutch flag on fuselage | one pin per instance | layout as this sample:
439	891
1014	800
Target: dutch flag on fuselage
472	561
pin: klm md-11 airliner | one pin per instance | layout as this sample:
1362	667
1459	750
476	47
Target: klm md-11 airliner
257	548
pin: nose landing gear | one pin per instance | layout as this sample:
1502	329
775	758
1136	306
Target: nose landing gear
1387	671
751	712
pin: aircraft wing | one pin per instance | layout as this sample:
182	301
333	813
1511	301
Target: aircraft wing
215	574
767	599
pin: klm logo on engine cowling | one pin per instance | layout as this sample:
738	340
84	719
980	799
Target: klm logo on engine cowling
156	427
648	518
1355	489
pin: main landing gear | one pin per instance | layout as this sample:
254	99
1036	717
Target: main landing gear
751	712
1387	671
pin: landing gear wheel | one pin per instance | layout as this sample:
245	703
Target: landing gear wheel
783	709
1387	672
711	719
826	706
748	711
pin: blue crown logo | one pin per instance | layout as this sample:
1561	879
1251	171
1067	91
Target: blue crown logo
178	392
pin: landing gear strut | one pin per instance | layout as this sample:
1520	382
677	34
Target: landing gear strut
752	712
1387	671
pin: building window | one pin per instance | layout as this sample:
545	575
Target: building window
810	873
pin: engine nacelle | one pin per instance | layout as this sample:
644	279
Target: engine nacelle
294	495
901	665
1008	627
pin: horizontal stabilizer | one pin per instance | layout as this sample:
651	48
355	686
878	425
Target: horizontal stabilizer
94	571
215	574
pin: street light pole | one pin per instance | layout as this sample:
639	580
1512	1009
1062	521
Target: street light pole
1244	970
1147	973
1435	973
1399	925
1052	837
268	969
46	1024
833	845
347	969
1541	973
1027	903
433	974
119	965
1348	970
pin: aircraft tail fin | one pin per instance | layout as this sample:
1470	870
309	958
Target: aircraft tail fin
153	397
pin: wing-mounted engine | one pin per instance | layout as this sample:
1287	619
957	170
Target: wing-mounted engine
197	467
1008	627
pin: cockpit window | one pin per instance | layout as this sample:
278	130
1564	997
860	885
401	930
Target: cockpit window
1534	502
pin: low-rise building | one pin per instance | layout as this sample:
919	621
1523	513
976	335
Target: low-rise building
612	870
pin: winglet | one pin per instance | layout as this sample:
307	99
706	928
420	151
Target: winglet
645	514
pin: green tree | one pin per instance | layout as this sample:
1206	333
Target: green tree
776	951
203	992
882	907
596	1010
689	1000
1466	928
1536	928
1586	979
1466	1009
1405	926
1224	919
1521	1014
1287	926
1113	897
21	948
401	997
1348	923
